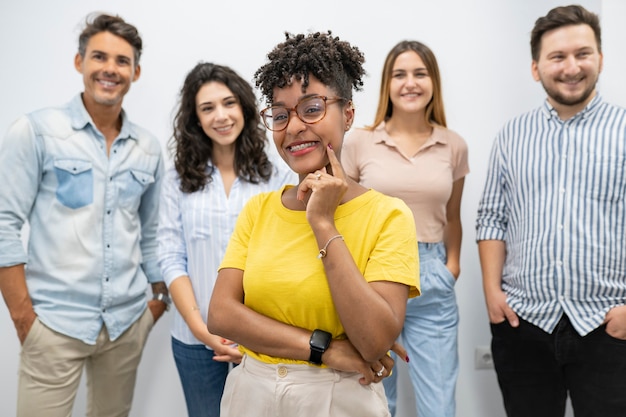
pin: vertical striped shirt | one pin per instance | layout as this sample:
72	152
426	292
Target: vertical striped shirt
555	193
194	230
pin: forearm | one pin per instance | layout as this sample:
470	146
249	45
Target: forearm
230	318
15	291
453	231
372	314
185	301
17	299
492	255
453	236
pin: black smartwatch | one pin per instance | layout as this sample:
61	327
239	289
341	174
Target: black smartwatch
320	340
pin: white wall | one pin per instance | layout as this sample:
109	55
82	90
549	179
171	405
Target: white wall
482	47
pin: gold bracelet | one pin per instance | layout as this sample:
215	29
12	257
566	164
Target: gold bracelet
323	252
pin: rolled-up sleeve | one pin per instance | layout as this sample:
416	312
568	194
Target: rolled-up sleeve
492	219
149	214
20	173
172	251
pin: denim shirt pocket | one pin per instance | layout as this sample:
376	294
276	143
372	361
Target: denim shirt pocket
74	182
132	186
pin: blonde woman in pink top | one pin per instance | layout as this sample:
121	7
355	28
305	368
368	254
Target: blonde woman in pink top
408	152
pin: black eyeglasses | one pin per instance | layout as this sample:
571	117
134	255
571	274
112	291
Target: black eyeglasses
310	110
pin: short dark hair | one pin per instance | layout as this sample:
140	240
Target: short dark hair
100	22
193	149
563	16
334	62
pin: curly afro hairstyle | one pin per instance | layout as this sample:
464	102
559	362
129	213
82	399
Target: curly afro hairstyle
334	62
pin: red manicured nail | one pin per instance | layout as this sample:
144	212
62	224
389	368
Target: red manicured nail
330	146
406	359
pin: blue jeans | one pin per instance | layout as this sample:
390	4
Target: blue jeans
430	338
537	370
202	378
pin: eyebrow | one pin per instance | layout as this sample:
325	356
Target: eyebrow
211	102
304	97
402	69
98	51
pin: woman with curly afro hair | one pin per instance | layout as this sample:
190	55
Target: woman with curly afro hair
219	163
315	280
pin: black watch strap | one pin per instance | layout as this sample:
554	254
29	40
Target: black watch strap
319	342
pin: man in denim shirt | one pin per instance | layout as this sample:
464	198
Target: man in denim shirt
87	180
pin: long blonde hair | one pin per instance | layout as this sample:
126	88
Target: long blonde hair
435	113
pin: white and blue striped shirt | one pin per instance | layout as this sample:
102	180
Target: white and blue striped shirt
194	230
555	193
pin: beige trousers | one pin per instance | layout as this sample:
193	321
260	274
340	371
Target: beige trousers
51	366
262	390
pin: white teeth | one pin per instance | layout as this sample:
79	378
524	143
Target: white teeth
107	83
301	146
222	129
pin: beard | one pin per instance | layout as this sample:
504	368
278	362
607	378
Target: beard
571	100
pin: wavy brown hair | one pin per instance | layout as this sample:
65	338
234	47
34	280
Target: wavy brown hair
334	62
435	113
193	149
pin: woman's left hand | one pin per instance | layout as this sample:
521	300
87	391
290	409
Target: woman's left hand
325	190
382	368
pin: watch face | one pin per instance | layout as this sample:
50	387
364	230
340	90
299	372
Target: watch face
320	339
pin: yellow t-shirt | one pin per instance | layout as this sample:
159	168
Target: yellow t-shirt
283	278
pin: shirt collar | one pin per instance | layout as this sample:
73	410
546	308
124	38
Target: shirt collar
81	118
433	139
549	111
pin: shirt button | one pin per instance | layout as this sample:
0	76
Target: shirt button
282	371
559	263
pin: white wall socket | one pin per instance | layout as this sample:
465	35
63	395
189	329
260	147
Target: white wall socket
483	358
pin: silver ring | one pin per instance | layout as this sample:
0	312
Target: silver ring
318	176
381	372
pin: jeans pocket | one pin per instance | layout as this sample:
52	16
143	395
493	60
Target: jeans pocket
447	277
74	182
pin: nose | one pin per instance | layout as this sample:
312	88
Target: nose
570	65
294	124
110	66
411	80
221	112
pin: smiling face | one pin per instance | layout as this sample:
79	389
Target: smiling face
302	145
410	86
108	70
568	67
219	113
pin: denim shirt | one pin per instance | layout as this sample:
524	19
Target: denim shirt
92	217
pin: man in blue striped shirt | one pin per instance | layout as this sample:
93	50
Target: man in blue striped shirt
551	234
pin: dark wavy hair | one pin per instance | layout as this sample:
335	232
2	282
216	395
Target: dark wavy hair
99	22
563	16
193	149
334	62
